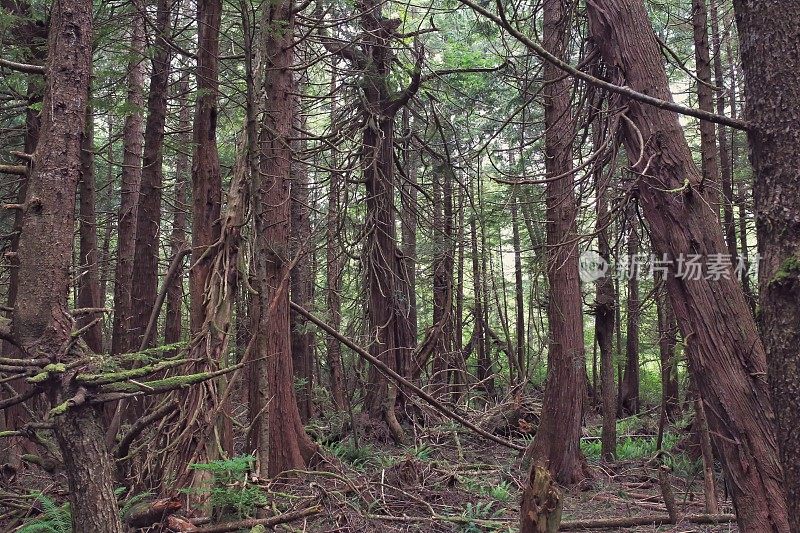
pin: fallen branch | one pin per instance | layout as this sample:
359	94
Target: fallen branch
270	522
18	170
21	67
634	521
430	400
150	513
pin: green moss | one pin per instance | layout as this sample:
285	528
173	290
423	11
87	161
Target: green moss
44	375
790	268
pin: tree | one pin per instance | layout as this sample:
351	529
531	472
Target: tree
557	440
284	444
768	31
41	324
727	358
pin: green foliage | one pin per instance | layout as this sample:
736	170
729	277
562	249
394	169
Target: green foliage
358	457
477	512
55	519
500	492
422	452
231	495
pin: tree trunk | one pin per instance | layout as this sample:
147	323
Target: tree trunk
484	370
334	266
41	323
88	264
667	339
727	360
132	141
302	283
710	186
284	444
443	277
726	166
148	214
769	32
519	290
629	387
557	440
604	320
173	320
387	278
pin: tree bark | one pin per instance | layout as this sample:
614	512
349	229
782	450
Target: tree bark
557	442
302	283
334	266
173	320
727	360
132	140
710	186
89	295
726	166
148	214
604	321
629	387
769	32
41	324
284	444
667	339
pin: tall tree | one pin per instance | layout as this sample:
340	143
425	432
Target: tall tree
148	213
629	386
41	324
769	32
284	444
557	440
132	141
727	358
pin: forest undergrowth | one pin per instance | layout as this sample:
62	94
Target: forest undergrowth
445	479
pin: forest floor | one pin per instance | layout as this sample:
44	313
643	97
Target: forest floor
448	479
451	480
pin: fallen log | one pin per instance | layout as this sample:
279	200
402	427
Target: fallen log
147	514
272	521
634	521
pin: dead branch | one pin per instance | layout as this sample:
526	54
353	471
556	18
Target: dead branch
430	400
270	522
634	521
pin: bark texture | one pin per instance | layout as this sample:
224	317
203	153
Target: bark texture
769	32
132	140
41	323
557	440
284	444
727	358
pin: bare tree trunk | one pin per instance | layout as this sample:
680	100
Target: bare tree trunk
727	360
519	290
408	219
284	444
132	141
629	387
710	186
604	321
667	339
443	277
148	214
302	282
88	264
557	440
484	370
770	59
41	323
334	267
173	322
726	167
17	415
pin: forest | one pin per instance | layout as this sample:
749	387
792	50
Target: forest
399	265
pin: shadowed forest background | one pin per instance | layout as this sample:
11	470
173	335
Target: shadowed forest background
425	265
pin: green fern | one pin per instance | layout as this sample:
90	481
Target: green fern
55	518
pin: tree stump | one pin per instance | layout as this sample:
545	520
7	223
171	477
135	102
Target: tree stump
541	503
